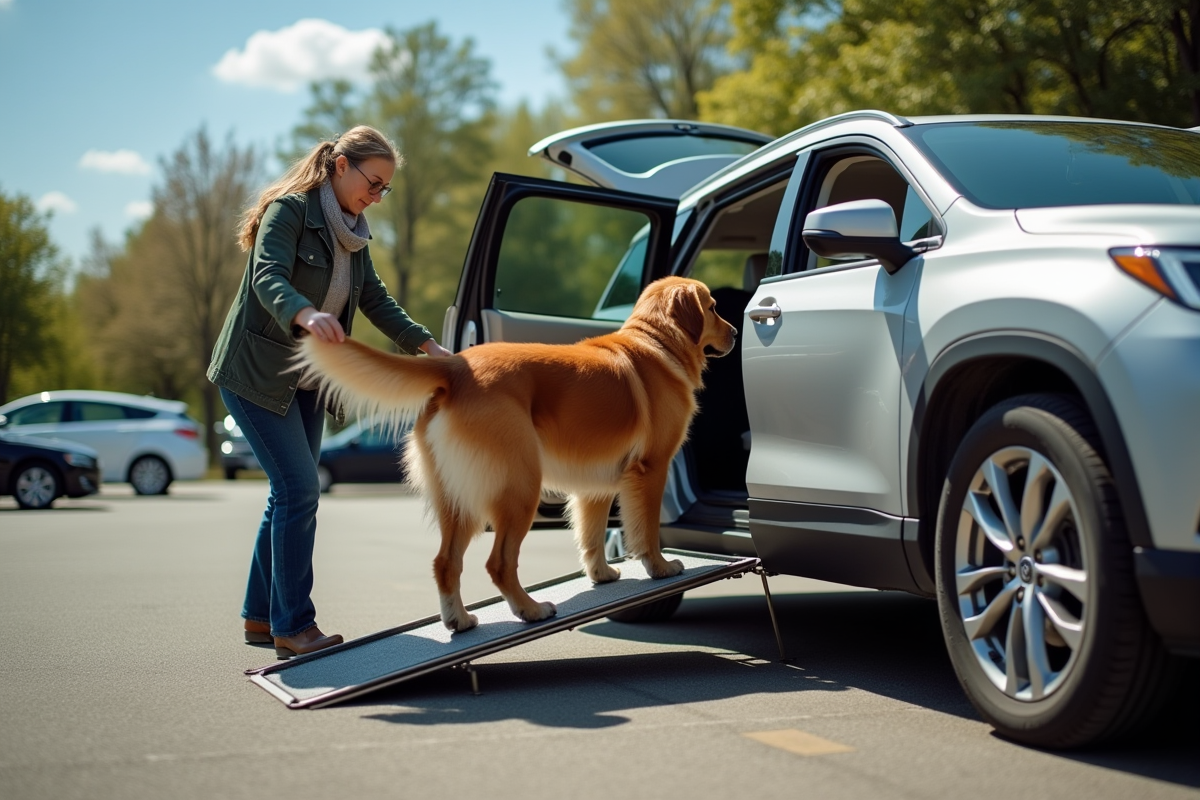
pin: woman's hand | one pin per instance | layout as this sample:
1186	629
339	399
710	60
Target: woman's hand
321	325
432	348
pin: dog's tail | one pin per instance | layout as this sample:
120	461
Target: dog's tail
387	388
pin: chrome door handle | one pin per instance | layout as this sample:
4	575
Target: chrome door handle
763	313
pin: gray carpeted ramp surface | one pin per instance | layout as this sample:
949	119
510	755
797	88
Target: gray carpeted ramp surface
390	657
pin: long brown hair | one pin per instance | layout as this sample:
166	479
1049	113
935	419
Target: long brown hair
357	144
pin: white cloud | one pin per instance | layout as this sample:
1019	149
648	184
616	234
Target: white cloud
126	162
139	209
309	50
56	201
6	4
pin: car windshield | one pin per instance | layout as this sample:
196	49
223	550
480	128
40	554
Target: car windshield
1043	164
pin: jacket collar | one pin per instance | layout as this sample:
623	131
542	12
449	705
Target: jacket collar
314	216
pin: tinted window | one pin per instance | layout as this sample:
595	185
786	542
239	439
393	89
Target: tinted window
1036	165
644	153
95	412
557	256
37	414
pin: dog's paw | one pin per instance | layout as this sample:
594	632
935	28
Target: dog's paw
661	568
538	612
460	622
603	573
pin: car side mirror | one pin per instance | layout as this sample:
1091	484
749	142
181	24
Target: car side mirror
858	229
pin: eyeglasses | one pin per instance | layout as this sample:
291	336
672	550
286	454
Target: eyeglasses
376	189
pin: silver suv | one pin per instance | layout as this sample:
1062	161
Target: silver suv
968	368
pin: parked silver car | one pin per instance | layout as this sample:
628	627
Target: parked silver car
146	441
968	368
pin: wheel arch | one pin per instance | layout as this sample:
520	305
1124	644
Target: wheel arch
972	375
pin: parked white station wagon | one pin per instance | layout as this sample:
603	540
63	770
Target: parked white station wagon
968	368
144	441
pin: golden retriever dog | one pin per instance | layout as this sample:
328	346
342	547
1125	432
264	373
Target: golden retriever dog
494	424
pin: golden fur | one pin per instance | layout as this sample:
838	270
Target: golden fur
495	423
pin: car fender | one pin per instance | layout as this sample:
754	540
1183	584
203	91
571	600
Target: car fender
1027	347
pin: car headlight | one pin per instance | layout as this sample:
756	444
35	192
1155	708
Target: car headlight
226	447
1173	272
79	460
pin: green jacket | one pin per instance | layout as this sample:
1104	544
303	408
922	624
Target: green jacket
290	268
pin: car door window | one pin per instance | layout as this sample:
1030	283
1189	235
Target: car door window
37	414
557	258
869	177
96	412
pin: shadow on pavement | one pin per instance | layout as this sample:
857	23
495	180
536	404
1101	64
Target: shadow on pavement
587	693
886	643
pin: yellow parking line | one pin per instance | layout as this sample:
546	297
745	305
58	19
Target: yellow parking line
799	742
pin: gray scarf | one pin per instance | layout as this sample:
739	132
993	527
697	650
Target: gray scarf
346	241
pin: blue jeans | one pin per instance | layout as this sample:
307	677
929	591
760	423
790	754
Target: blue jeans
281	575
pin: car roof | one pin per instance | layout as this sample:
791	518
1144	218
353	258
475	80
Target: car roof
769	152
121	398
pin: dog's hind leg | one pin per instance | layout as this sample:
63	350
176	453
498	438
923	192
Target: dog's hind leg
589	518
642	486
457	532
512	518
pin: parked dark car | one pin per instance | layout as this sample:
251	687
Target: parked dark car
360	453
38	471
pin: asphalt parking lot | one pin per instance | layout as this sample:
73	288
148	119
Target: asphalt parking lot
121	677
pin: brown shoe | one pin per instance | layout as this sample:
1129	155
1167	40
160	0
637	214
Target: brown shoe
307	641
258	632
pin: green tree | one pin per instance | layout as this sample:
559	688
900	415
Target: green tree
333	108
644	58
195	214
1126	59
436	100
29	275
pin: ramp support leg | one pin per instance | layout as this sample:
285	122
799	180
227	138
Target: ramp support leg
762	573
470	670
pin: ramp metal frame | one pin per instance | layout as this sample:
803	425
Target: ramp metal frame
716	568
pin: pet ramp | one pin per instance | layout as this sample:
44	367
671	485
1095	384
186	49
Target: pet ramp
393	656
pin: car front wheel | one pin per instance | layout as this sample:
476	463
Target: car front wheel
36	487
1036	592
150	475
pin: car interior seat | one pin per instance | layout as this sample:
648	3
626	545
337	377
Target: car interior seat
717	438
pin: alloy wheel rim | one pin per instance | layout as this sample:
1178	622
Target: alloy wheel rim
150	475
35	487
1021	573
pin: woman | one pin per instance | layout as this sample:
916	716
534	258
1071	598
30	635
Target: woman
309	270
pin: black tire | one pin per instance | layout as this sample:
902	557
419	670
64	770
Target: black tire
655	611
36	486
1067	658
150	475
231	473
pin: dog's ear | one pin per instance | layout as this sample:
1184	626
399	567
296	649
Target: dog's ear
687	311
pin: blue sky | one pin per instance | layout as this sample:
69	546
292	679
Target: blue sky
94	92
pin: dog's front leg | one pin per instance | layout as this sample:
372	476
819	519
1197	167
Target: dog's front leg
589	517
642	487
